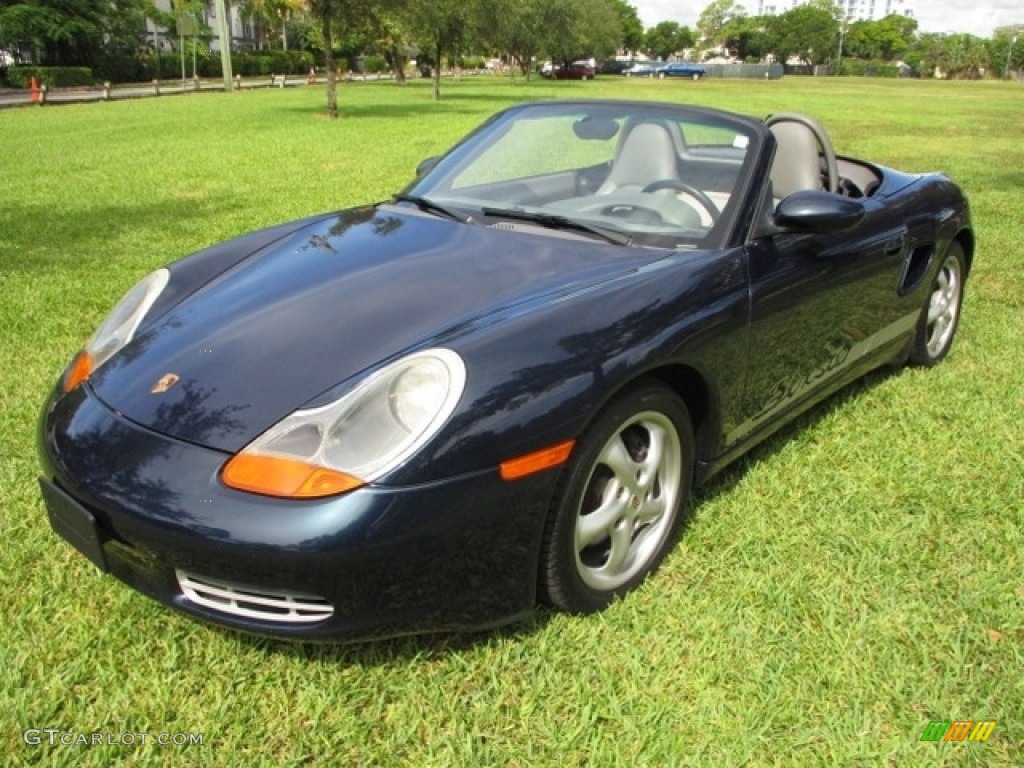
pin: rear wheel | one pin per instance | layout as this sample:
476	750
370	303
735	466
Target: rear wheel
620	504
941	313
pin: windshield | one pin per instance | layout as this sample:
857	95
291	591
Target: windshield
654	175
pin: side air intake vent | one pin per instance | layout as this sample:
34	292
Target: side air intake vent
916	267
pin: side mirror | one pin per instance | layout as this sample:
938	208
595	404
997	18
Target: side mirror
818	212
427	165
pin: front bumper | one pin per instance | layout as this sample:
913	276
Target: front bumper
456	554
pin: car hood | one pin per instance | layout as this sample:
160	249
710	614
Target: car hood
342	294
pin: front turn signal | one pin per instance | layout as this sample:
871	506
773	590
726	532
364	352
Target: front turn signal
80	369
537	461
285	478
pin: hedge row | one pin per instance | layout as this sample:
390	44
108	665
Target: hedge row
51	77
167	66
866	68
143	69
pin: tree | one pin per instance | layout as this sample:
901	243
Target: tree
570	30
326	12
1006	51
887	39
667	38
54	32
269	16
511	27
392	38
952	56
746	38
441	26
629	23
715	17
808	32
601	24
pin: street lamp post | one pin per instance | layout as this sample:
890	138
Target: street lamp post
842	35
1009	52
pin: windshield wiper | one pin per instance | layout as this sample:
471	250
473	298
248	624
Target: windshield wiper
428	205
555	221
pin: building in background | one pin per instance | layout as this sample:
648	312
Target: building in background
856	10
243	31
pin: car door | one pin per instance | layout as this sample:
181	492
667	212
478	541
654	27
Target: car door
822	306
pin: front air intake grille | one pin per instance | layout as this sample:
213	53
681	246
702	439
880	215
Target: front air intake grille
253	602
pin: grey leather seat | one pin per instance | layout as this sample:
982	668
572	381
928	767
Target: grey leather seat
646	153
797	165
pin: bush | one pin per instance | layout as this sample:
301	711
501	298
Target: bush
126	68
123	68
373	65
870	68
268	63
51	77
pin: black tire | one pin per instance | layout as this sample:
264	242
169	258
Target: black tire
940	315
619	506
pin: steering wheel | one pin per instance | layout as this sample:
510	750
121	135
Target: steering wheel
831	166
706	202
636	207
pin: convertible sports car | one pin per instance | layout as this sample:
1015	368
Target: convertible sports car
499	387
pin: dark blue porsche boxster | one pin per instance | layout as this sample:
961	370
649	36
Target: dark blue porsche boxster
499	387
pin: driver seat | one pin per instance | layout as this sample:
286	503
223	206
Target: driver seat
797	164
646	153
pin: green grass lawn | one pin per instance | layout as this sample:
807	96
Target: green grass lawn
854	579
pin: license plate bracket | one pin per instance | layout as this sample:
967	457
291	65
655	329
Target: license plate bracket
74	523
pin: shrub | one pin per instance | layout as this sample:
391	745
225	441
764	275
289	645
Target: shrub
123	68
51	77
870	68
375	64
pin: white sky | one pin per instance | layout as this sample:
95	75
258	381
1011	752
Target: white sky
979	17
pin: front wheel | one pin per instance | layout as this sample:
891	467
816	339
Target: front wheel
941	314
619	506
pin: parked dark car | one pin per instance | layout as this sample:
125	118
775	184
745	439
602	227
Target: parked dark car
641	69
682	69
614	66
500	386
577	70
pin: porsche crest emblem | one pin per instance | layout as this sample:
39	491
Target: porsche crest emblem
164	383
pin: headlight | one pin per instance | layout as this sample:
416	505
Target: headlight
357	438
118	329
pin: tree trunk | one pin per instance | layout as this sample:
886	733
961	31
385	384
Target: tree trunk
437	71
396	61
332	80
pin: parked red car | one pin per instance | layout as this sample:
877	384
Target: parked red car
578	70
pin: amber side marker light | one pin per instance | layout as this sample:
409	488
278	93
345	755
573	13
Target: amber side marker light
285	478
537	461
79	370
